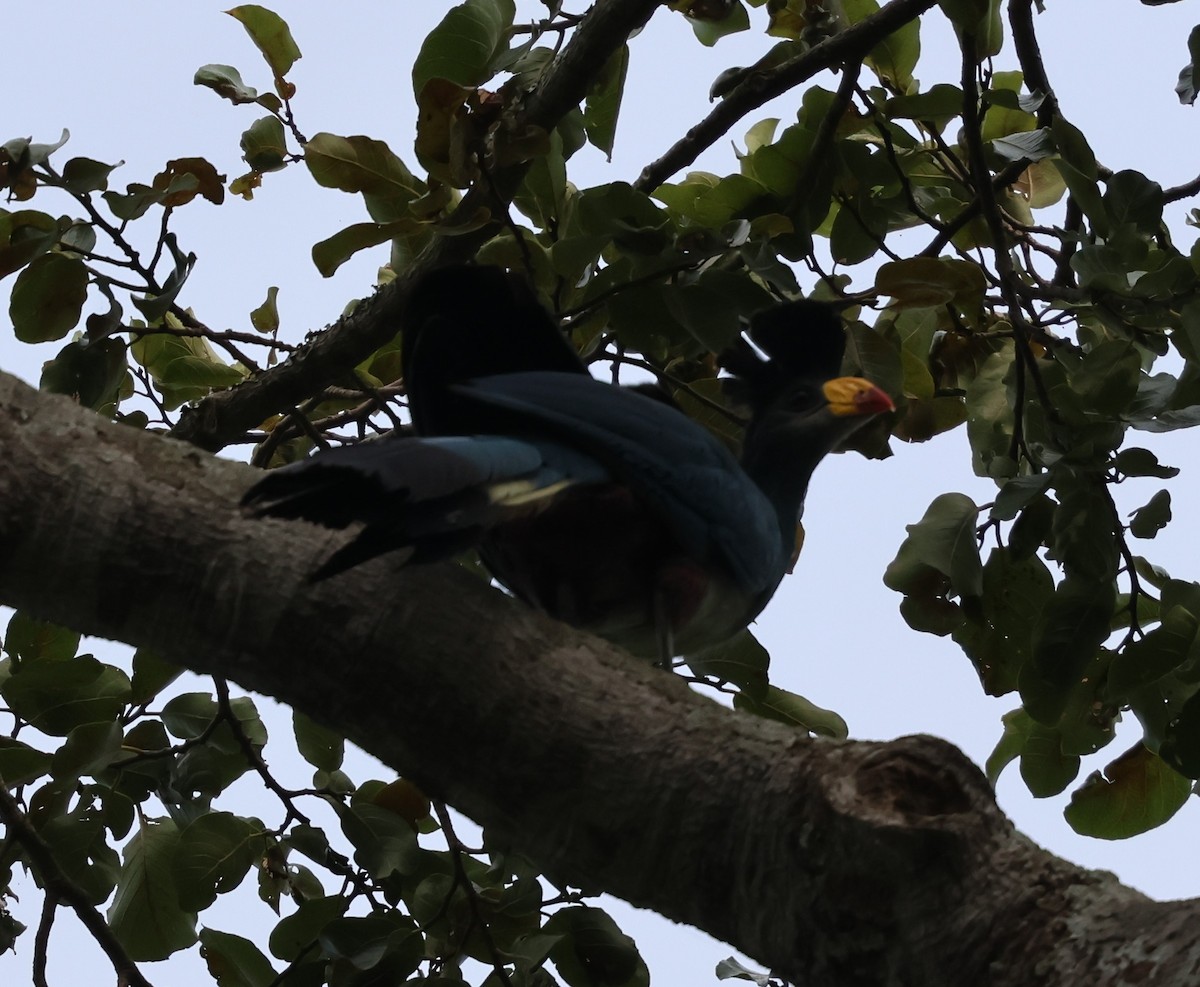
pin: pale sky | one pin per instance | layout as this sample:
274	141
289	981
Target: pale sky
118	76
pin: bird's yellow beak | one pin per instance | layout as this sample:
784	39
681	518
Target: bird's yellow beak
849	396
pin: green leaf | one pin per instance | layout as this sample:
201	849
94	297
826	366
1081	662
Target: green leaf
944	539
235	962
187	716
603	103
1074	624
387	943
48	298
940	104
1045	768
740	660
998	635
1159	652
1017	726
226	82
1032	528
384	843
151	674
466	45
271	36
265	318
787	707
1149	520
1137	792
185	368
1189	75
1142	462
318	745
593	951
926	282
895	57
83	175
1077	165
23	236
1130	197
709	31
91	373
332	253
133	203
1017	494
360	164
78	840
731	969
1031	145
145	915
1082	536
1107	378
264	145
155	307
20	763
215	853
89	748
57	696
979	21
28	638
293	937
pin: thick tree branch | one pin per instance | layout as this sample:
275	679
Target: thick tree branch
224	416
847	863
850	45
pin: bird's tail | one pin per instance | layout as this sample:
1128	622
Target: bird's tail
430	498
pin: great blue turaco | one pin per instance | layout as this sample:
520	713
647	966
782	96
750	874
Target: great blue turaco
606	507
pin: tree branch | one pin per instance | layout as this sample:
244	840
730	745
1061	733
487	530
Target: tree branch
851	45
830	863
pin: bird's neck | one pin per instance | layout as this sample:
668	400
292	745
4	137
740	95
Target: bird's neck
781	462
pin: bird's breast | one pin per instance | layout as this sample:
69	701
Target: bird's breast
596	557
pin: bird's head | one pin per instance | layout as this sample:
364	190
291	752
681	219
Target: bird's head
788	374
792	373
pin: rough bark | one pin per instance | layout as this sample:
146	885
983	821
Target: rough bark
832	863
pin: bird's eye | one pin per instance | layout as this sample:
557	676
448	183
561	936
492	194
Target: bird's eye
800	399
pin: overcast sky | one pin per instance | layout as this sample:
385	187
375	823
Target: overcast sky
118	76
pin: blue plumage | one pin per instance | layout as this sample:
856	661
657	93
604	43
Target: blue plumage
609	509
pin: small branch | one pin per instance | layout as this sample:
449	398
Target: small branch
662	376
889	145
758	87
564	23
1185	191
1002	180
829	125
41	940
198	329
62	888
1135	586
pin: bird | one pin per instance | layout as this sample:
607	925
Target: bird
607	507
